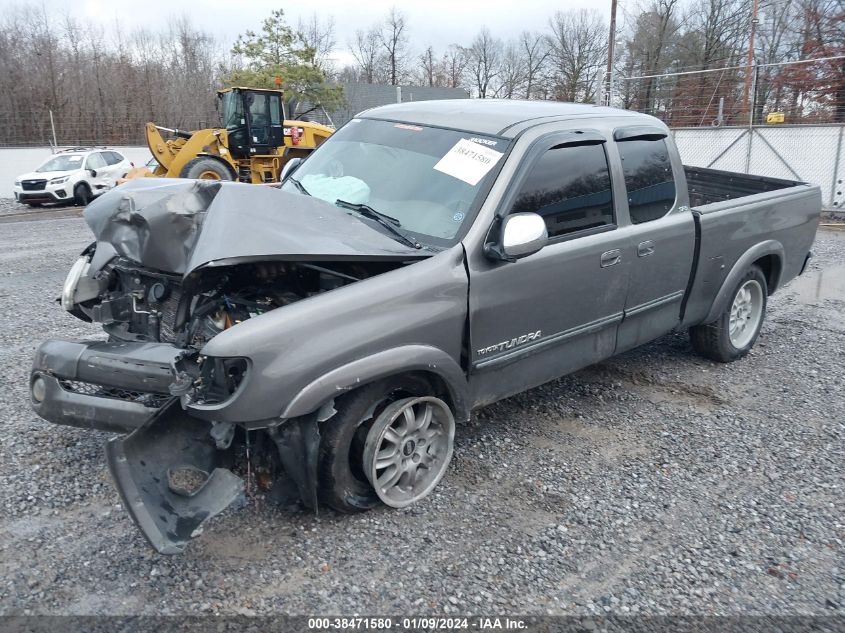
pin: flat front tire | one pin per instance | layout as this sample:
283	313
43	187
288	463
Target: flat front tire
408	449
732	335
343	483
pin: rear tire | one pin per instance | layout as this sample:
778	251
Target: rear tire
732	335
343	485
205	168
82	194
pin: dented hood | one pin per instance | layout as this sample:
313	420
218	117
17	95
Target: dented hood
178	226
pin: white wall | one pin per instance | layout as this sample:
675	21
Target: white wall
810	153
17	161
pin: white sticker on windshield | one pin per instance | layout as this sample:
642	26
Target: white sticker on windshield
468	161
74	159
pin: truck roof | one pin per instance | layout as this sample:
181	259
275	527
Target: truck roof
497	117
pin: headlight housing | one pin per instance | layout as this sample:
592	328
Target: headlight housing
59	181
209	380
17	183
79	268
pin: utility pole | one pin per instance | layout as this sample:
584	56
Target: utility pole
610	43
53	127
749	68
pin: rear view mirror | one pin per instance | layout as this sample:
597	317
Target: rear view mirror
523	234
289	167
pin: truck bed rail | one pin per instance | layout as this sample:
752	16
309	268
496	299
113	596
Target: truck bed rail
713	185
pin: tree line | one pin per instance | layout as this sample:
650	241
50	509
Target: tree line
674	58
102	84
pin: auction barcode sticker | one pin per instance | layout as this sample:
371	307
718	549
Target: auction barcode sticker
468	161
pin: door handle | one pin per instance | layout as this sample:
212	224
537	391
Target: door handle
611	258
644	249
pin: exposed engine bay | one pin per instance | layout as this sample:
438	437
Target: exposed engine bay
142	306
137	304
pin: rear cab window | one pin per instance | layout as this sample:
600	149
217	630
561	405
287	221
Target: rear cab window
649	180
570	187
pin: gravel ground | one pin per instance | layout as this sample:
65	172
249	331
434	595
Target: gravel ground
653	483
10	207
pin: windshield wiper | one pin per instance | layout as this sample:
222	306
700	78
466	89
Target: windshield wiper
388	222
298	185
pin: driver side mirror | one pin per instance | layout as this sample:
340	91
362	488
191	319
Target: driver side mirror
93	173
290	167
522	234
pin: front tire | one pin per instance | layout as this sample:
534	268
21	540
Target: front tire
733	334
343	484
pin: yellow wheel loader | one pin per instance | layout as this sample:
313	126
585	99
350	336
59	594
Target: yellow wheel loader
253	143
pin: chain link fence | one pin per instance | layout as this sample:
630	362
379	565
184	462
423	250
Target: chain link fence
40	127
800	92
784	120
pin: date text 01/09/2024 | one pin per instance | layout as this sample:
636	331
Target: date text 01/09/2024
431	623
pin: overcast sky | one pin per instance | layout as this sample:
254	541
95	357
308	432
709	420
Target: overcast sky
435	22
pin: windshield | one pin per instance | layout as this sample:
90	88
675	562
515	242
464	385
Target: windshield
65	162
425	178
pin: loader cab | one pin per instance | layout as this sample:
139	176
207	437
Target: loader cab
254	120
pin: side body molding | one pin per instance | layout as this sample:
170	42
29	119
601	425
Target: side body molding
388	362
769	247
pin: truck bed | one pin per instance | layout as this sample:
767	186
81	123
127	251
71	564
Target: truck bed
734	213
707	186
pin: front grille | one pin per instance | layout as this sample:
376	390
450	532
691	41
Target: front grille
151	400
33	185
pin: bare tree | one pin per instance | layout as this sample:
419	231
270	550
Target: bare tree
428	68
512	78
484	61
394	40
535	52
778	39
578	48
711	37
365	50
454	65
653	46
319	36
823	35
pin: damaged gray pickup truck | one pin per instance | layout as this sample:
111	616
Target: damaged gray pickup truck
318	341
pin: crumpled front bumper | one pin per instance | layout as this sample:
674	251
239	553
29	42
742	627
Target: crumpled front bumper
110	386
124	387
